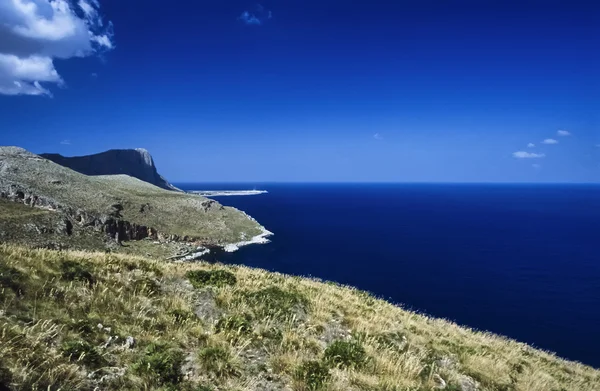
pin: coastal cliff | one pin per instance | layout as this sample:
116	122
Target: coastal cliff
118	207
137	163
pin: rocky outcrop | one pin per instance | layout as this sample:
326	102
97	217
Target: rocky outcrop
112	225
137	163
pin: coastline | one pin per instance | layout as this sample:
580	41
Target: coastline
258	239
226	193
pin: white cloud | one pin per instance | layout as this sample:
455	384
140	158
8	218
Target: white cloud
65	142
536	166
249	18
378	136
563	133
531	145
527	155
35	32
256	17
550	141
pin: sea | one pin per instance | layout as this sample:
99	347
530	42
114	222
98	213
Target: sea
519	260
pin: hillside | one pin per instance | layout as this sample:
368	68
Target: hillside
117	206
85	321
137	163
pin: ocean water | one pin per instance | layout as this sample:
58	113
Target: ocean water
518	260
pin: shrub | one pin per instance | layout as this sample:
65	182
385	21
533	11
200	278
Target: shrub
345	354
5	378
12	279
74	271
146	285
162	363
202	278
275	301
238	324
313	374
81	351
182	316
218	361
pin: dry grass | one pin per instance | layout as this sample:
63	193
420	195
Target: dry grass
265	331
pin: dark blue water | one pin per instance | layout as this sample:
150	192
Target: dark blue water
519	260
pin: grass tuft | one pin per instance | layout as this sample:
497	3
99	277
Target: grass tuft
218	278
162	363
82	351
313	375
12	279
277	302
236	324
346	354
76	271
218	361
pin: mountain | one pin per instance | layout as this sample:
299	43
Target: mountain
117	206
137	163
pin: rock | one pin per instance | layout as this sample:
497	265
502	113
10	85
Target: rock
137	163
468	384
64	227
439	382
129	342
446	362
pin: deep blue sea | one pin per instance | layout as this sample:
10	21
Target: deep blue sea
518	260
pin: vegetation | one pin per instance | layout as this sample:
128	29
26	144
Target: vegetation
202	278
115	196
83	321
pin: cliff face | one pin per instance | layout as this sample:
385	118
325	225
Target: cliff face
137	163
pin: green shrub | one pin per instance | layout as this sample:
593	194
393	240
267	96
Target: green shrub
218	361
274	301
182	316
12	279
345	354
74	271
145	285
5	378
82	351
162	363
313	374
238	324
202	278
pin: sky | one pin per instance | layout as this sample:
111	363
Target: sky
310	91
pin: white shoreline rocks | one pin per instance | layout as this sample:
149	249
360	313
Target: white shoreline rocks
224	193
258	239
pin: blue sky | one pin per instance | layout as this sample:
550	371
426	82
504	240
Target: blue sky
290	90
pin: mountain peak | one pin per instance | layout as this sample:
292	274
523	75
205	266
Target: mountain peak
137	163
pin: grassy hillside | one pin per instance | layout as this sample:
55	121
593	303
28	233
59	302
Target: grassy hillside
124	198
78	320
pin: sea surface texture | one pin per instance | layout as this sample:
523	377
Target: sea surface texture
518	260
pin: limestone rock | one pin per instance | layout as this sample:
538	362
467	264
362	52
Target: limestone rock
137	163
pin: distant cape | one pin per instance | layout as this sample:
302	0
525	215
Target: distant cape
137	163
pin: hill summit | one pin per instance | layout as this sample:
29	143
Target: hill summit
137	163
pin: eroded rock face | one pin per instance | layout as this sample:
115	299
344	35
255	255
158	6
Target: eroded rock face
137	163
112	225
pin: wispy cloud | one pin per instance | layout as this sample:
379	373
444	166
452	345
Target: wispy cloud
528	155
531	145
536	166
563	133
65	142
256	17
378	136
35	33
550	141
